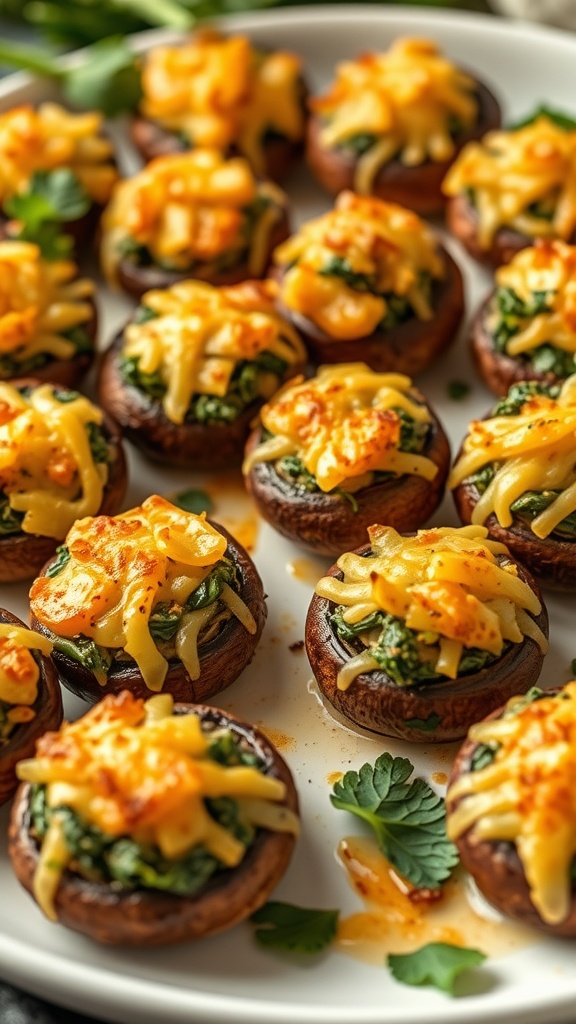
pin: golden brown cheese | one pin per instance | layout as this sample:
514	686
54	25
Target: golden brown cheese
120	568
19	674
384	242
343	425
136	769
408	97
190	208
510	171
220	92
40	300
448	585
527	794
202	333
47	469
533	451
549	267
49	138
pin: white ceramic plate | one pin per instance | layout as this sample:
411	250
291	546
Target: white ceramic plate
227	980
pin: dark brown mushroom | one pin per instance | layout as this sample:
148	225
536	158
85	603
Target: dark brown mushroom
22	555
201	446
329	524
434	712
410	347
136	278
47	710
496	867
222	658
152	918
551	560
419	188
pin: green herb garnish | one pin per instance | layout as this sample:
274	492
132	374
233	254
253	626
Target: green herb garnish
297	929
52	199
438	963
409	818
458	389
193	500
558	117
59	562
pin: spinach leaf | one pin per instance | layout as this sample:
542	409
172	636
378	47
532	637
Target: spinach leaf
359	143
98	443
293	928
519	394
193	500
438	964
10	521
212	585
340	266
532	503
409	818
225	749
164	621
83	650
60	561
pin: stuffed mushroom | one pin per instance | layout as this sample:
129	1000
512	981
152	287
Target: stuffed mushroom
194	214
187	375
144	824
370	281
343	450
62	459
515	474
510	809
419	636
30	699
514	187
155	599
391	124
223	93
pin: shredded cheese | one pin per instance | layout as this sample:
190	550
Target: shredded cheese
188	209
532	451
509	172
407	97
202	333
47	469
120	568
148	777
387	244
527	794
19	675
451	586
40	300
220	92
343	425
549	267
48	138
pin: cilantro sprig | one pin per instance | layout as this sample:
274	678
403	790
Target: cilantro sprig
439	964
53	198
409	818
293	928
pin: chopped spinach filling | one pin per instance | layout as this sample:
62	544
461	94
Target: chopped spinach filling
398	308
7	726
530	504
512	314
406	656
243	390
131	865
11	366
485	753
163	623
413	439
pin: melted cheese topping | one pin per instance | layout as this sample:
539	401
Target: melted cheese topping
550	267
509	172
533	450
19	673
191	208
343	426
451	585
221	93
202	333
407	97
527	795
386	243
136	769
120	568
47	469
39	301
49	138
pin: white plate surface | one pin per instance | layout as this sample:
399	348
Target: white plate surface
227	980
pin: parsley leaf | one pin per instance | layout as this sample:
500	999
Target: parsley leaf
193	500
409	819
437	963
558	117
298	929
53	197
